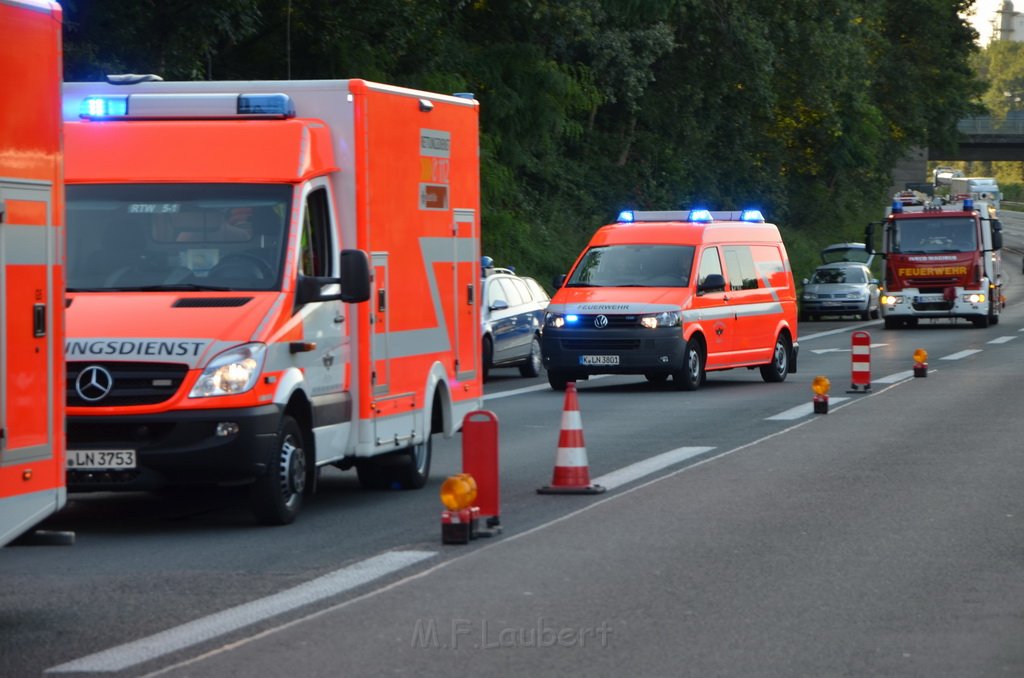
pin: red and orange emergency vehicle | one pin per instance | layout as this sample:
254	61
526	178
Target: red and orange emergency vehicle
265	278
31	268
943	260
675	293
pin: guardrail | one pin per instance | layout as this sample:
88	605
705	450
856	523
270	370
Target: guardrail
987	124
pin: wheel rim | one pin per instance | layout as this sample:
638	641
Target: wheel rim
781	359
292	472
693	364
535	355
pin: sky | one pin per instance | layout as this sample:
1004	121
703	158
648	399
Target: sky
984	13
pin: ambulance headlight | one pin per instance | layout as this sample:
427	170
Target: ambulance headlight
232	372
663	319
558	320
975	298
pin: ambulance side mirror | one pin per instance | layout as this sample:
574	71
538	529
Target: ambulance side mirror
352	287
715	282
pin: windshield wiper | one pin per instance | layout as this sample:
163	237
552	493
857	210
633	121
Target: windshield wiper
177	287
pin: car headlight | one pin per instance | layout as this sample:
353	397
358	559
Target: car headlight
557	320
232	372
663	319
810	296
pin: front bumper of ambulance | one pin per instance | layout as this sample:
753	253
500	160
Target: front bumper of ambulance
151	451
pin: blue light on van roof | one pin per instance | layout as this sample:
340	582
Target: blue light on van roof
897	207
753	216
626	216
968	204
701	216
103	107
266	104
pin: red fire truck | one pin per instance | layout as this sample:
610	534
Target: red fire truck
942	261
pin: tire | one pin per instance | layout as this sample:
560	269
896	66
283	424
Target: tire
691	375
487	355
531	368
865	314
874	314
557	379
778	369
277	496
407	469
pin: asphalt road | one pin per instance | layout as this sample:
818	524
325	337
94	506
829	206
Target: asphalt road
882	538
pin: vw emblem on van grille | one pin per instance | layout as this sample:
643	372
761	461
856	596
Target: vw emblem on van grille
601	322
94	383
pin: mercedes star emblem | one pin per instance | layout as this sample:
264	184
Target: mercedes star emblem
94	383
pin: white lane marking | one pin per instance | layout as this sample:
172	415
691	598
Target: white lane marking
1002	340
802	410
841	330
530	389
648	466
898	376
961	354
201	630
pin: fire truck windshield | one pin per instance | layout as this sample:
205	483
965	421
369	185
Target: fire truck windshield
176	236
939	234
634	266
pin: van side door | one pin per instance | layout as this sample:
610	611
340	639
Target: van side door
713	310
756	313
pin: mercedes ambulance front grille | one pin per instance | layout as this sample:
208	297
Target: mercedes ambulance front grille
112	384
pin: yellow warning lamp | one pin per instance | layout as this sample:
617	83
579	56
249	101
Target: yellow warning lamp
920	363
458	492
821	385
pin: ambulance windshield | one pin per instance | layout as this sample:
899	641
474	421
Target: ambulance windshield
176	236
634	266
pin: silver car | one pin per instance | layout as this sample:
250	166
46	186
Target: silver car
512	318
838	289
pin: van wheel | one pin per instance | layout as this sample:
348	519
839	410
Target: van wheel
276	496
531	368
407	469
777	370
557	379
487	356
692	375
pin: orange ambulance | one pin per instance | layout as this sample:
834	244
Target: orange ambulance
31	268
675	294
266	278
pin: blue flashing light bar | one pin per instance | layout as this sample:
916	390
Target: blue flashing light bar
626	217
571	318
266	104
968	204
701	216
104	107
753	216
897	207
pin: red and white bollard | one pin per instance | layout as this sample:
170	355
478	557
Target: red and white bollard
860	362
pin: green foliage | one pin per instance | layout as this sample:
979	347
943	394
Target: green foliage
590	106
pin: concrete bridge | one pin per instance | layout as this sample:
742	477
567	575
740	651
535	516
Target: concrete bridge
981	138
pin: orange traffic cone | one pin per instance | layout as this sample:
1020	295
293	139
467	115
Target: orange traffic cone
572	474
